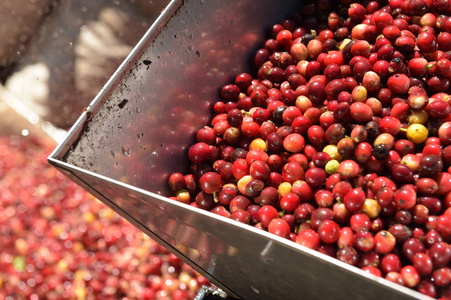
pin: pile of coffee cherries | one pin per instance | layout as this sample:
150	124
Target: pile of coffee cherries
341	140
58	242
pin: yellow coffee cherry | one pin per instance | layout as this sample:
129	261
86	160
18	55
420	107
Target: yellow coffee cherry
417	133
371	208
258	144
418	117
303	103
284	188
359	94
183	196
332	150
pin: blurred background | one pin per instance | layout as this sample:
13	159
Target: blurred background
56	240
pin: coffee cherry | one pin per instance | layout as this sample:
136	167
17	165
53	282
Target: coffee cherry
384	242
361	112
266	214
294	142
315	177
405	197
199	152
443	223
398	83
205	201
442	276
430	165
354	200
410	276
210	182
348	255
176	181
426	42
348	169
289	202
363	241
329	231
423	263
308	238
279	227
417	133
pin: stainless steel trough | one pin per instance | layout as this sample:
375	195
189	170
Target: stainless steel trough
137	131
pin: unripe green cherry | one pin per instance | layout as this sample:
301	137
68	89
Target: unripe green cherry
332	166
